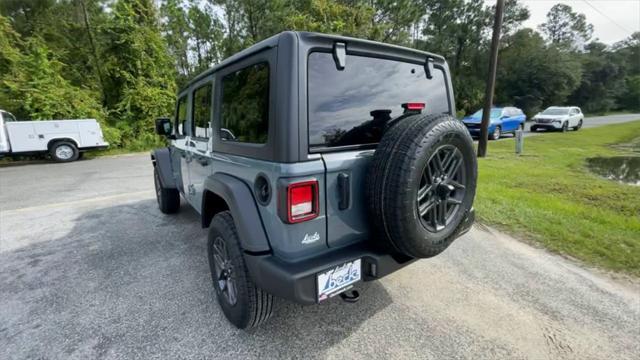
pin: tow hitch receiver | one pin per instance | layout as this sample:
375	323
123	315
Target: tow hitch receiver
350	296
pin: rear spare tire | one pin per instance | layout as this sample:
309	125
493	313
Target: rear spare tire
422	183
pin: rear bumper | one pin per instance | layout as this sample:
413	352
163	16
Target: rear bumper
296	281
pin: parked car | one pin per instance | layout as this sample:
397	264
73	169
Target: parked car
63	140
317	161
503	120
558	118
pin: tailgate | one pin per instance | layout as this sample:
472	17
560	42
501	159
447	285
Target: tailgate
346	204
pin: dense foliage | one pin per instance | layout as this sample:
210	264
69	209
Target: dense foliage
121	61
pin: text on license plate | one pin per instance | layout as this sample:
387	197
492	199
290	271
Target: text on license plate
338	279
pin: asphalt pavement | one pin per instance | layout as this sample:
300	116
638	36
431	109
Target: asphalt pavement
90	268
589	122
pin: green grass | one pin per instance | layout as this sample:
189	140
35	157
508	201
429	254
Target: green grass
609	112
547	195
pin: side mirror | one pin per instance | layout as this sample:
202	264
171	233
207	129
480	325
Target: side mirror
163	126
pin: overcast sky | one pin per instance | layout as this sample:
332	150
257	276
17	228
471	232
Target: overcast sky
613	20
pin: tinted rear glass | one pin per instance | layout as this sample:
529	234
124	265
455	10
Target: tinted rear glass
350	107
245	105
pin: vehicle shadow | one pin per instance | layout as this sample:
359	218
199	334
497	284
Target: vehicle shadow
127	281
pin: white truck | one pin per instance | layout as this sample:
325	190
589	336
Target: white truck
63	140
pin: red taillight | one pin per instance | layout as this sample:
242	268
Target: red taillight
413	106
302	201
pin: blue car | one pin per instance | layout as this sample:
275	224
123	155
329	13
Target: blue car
503	120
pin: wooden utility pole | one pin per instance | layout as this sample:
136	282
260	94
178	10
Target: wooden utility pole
94	50
491	80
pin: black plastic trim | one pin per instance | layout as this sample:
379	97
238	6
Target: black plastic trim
297	281
239	197
344	188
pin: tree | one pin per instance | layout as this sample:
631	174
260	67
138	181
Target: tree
533	75
194	35
333	17
514	15
140	82
120	60
32	85
627	55
601	80
394	20
566	28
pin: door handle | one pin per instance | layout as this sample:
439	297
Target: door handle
344	185
191	143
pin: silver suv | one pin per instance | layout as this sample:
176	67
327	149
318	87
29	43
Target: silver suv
317	162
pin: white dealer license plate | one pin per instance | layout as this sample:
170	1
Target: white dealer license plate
338	279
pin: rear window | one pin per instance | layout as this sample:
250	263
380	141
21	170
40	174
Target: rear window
350	107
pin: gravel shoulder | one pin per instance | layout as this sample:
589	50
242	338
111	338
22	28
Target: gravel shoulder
89	268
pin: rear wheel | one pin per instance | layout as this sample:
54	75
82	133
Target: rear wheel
64	151
242	303
577	127
422	184
533	129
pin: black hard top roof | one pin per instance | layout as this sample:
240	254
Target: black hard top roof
301	35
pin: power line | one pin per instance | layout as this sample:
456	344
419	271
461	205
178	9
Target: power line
606	16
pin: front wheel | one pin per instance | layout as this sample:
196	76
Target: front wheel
497	132
577	127
242	302
565	127
168	199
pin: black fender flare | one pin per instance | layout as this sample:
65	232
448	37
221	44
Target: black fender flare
239	198
161	159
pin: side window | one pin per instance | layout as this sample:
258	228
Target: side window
181	116
202	111
245	105
8	117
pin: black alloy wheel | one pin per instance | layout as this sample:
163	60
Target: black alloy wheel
224	273
442	188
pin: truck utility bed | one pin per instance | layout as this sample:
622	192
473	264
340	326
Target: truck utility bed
35	136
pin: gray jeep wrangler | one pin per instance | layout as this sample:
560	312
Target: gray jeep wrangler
317	161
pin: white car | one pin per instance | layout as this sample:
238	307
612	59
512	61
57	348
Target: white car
64	140
558	118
